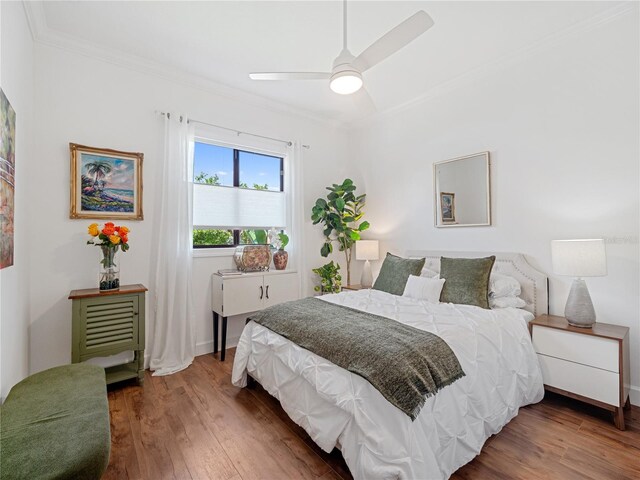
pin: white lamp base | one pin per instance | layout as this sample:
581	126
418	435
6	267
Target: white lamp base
366	280
579	310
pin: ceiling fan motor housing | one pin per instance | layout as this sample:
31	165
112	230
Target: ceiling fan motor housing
345	78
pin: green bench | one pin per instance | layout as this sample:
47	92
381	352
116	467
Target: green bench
55	424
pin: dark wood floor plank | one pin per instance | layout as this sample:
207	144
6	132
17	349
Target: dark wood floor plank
195	424
155	445
241	426
203	454
123	462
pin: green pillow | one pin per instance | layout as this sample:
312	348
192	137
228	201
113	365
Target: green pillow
395	272
466	280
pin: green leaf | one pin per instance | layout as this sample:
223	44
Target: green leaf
332	196
363	226
347	181
321	203
327	231
326	249
354	235
340	204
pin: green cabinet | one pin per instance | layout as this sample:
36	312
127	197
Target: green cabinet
107	323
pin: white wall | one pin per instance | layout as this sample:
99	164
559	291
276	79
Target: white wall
562	126
91	102
16	79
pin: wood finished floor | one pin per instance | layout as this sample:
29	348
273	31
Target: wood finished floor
196	425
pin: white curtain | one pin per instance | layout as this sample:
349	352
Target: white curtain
173	331
295	208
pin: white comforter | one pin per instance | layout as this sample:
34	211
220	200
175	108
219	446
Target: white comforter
338	408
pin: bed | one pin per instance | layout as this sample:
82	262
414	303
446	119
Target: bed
343	410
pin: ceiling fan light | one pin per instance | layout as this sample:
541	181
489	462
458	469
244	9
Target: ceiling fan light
346	83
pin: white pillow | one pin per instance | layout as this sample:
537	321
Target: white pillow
423	288
505	302
427	272
503	286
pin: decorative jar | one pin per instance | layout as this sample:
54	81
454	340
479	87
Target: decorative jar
252	258
280	259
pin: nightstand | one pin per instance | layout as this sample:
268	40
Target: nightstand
354	287
587	364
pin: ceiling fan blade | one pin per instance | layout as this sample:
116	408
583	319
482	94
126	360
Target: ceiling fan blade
394	40
290	76
364	102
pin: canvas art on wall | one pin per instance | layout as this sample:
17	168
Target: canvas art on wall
105	183
7	179
448	207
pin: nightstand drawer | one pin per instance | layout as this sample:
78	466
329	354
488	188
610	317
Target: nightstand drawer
587	381
589	350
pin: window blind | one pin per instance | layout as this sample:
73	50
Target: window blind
232	207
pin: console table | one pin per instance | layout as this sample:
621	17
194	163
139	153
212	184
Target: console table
109	322
239	294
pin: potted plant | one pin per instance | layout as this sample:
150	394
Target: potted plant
340	214
330	278
281	257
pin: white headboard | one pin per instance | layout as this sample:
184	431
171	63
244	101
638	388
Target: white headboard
534	284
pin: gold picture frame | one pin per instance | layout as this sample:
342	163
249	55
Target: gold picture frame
105	183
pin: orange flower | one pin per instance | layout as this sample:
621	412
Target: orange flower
124	239
109	229
93	230
124	230
115	239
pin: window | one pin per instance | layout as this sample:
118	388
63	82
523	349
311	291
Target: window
238	196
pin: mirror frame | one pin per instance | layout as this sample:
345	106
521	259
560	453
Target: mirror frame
487	160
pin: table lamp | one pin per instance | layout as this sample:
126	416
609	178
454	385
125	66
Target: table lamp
579	258
367	250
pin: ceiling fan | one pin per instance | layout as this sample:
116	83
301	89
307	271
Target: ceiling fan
346	75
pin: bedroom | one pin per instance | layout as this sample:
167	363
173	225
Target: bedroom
549	89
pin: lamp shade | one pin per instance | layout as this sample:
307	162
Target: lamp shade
367	250
579	258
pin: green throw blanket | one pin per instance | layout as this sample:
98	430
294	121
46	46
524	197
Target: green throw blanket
404	364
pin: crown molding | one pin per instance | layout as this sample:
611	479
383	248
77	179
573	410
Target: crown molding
43	35
495	66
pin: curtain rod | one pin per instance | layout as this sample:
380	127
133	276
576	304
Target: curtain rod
238	132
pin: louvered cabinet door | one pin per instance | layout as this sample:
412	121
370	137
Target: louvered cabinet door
108	325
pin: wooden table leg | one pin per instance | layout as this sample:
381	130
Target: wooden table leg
627	404
215	333
224	338
140	359
618	418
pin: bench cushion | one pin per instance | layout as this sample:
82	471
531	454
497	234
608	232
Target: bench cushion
55	424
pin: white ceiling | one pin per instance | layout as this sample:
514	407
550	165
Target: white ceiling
223	41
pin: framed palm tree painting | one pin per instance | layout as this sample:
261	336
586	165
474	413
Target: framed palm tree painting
105	183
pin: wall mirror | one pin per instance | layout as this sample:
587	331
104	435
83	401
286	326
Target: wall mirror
462	191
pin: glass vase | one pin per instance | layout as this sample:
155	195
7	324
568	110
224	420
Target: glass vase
109	272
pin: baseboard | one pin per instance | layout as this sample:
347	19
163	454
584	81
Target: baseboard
202	348
634	394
